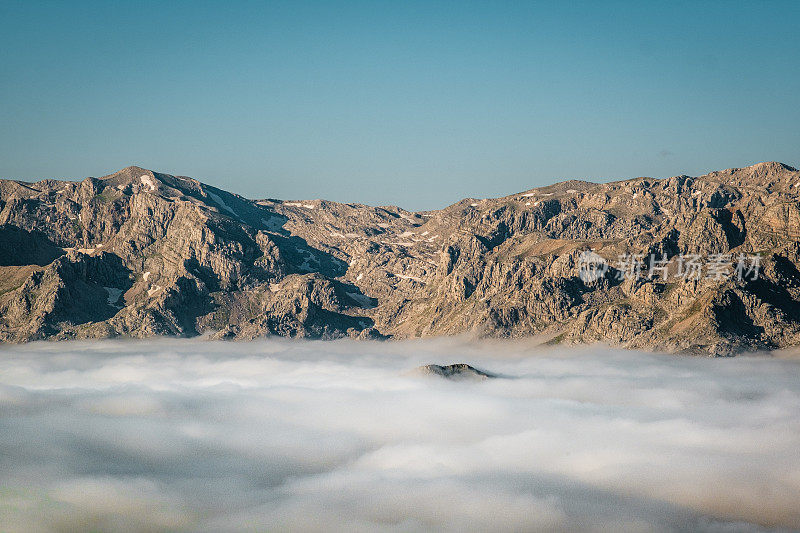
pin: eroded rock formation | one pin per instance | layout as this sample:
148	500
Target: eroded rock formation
138	253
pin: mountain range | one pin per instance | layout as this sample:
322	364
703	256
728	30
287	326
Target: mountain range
139	253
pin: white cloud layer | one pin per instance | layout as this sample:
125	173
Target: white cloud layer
336	436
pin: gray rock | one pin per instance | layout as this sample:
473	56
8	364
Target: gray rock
185	258
458	371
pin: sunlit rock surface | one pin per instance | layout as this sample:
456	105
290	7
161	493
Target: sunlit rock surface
139	253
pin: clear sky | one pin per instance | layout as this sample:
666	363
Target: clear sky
411	103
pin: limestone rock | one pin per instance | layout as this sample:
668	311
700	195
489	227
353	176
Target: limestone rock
139	253
456	372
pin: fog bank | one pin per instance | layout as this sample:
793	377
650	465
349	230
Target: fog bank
296	435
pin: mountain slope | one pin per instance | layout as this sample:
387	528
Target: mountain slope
139	253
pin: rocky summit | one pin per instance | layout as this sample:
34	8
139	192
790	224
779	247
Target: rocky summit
640	263
457	372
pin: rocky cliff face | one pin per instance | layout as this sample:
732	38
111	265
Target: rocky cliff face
138	253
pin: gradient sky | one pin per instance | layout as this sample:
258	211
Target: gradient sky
410	103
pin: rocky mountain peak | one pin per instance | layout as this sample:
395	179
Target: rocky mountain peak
139	253
771	175
456	372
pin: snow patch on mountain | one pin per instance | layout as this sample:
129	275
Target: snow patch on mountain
220	202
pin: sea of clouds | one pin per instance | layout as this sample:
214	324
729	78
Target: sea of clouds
338	436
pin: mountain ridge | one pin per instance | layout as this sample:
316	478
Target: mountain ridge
138	253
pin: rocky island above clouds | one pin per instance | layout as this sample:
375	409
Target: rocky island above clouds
138	254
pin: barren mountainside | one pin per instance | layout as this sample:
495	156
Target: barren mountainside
138	253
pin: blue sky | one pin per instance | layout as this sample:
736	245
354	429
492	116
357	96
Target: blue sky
411	103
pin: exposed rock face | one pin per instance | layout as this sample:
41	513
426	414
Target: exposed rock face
138	253
458	372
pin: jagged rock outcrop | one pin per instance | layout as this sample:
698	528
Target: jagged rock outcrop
139	253
455	372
